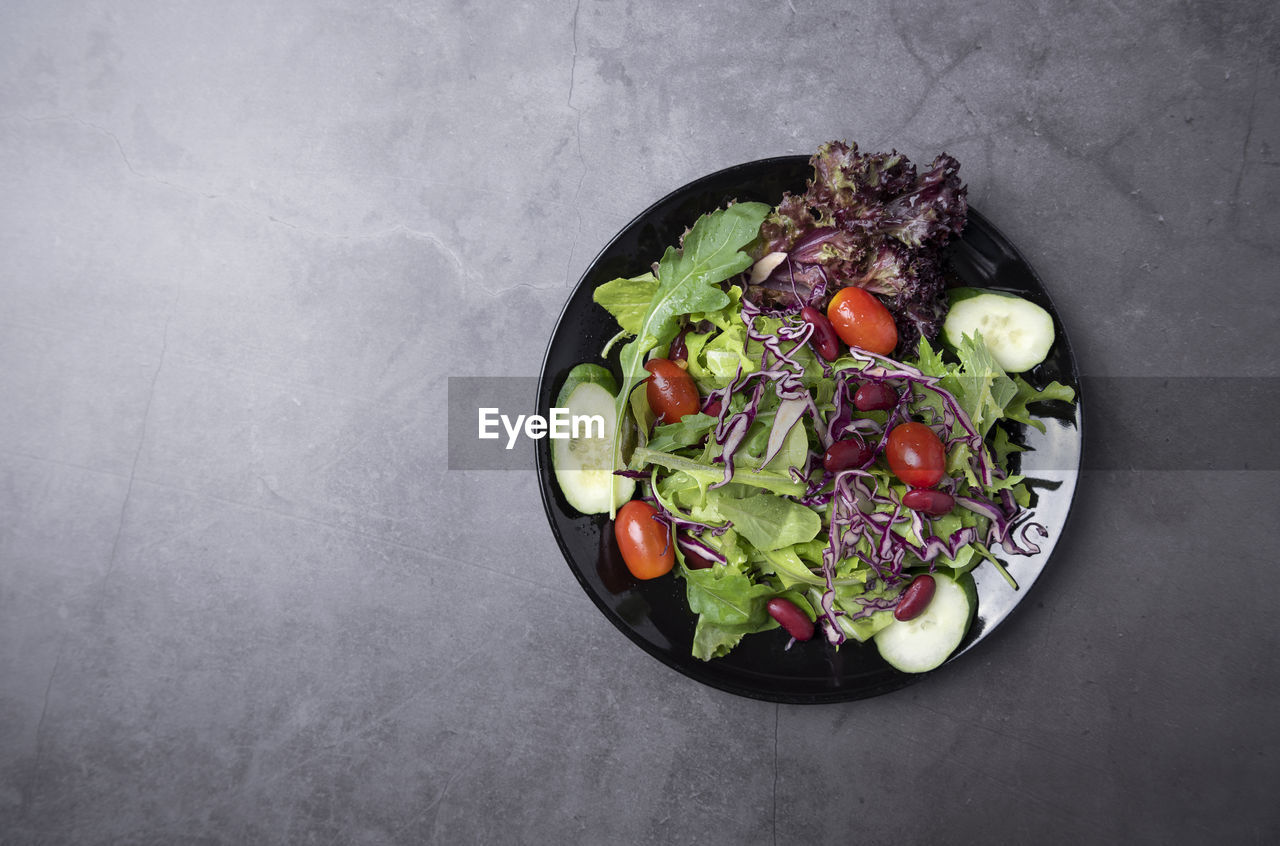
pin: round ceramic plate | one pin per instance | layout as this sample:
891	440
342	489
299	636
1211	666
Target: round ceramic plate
655	614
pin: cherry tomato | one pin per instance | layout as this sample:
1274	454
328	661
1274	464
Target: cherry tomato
915	455
670	390
862	321
645	543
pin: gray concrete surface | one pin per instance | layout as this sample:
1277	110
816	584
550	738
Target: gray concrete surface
242	245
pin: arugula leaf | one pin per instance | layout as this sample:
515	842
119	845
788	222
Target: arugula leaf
689	281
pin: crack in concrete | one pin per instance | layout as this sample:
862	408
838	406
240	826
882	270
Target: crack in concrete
124	156
28	795
933	79
1248	139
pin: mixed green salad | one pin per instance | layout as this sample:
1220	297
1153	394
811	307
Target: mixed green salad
810	426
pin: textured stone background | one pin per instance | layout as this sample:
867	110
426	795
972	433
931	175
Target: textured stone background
242	246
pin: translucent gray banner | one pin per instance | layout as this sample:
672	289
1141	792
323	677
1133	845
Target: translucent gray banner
1130	423
479	404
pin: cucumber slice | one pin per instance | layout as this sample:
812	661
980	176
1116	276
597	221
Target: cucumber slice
586	372
584	465
1018	332
920	645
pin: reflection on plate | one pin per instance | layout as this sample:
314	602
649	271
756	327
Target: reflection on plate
655	614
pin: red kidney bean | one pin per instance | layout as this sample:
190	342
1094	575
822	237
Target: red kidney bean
824	337
915	598
678	351
875	396
790	617
933	503
842	455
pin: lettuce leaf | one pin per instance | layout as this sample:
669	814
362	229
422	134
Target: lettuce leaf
689	282
686	431
983	390
1027	394
627	300
729	604
728	596
716	640
708	475
767	522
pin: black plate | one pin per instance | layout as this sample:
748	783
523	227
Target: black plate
655	614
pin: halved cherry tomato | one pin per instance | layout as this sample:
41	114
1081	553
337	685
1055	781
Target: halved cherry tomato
670	390
861	320
645	543
915	455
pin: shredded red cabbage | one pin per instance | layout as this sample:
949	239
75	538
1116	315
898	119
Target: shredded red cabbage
1005	528
692	544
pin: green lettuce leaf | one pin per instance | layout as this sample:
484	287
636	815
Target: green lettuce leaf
727	595
864	627
790	569
930	363
715	640
1002	447
627	300
1027	394
706	474
983	389
729	604
768	522
686	431
689	282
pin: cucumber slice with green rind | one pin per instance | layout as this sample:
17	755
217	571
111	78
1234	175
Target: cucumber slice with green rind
1018	332
584	464
926	642
586	372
